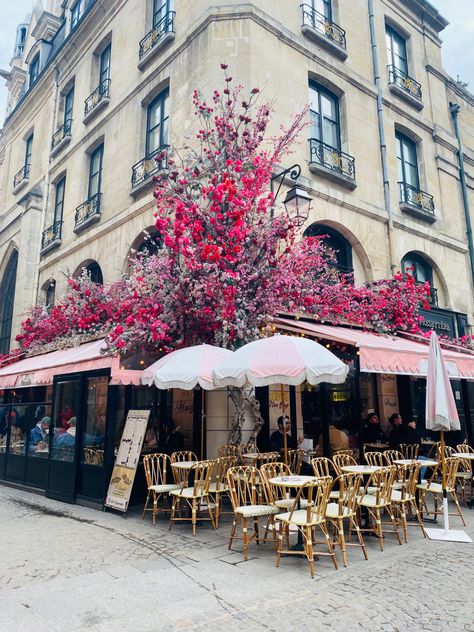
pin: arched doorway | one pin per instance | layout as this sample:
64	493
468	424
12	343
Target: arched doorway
7	300
94	270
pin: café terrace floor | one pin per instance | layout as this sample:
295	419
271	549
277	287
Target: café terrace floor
71	568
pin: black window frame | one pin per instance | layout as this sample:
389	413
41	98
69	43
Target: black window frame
76	14
95	272
28	151
327	12
336	241
68	105
160	98
392	35
34	68
60	189
322	90
104	64
157	11
402	142
415	258
98	151
7	301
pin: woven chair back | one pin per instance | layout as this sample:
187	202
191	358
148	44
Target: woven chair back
348	486
382	480
316	494
272	470
448	451
267	457
408	475
376	458
243	488
221	466
322	466
393	455
203	471
156	466
245	448
295	460
349	452
409	450
228	450
340	460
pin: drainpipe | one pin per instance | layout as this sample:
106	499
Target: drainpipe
47	178
454	111
383	144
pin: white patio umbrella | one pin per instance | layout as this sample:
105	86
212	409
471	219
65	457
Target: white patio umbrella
280	360
187	368
441	416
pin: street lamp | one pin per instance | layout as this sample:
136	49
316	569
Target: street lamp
297	201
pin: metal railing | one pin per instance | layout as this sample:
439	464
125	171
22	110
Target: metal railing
61	133
415	197
88	209
320	23
51	234
331	158
151	39
101	92
404	81
23	174
148	166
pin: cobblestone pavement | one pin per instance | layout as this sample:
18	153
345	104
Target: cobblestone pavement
70	568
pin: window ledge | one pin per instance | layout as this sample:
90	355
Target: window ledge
324	41
144	185
418	212
80	226
154	50
22	183
52	244
332	174
62	143
406	96
96	109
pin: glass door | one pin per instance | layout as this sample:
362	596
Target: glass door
66	425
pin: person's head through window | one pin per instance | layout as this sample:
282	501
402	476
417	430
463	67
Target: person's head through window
396	420
284	424
373	419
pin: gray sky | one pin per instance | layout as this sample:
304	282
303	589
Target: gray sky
458	37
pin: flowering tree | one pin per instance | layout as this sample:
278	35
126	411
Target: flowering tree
229	262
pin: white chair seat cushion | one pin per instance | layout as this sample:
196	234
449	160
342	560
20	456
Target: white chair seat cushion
332	511
437	488
397	496
188	492
300	517
370	500
334	494
222	488
161	489
467	475
255	511
287	503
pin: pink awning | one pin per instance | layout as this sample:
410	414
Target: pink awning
40	369
383	353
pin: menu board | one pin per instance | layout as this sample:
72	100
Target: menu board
126	461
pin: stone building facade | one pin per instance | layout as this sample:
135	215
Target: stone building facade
96	87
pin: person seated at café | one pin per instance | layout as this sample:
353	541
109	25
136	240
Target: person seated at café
401	432
40	432
411	433
338	440
372	431
277	443
67	439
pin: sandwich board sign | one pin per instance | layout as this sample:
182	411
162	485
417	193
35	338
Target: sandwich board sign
126	461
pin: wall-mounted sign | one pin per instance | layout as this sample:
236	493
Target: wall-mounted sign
126	461
442	321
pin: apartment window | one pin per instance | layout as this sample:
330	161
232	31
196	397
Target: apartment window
407	164
68	105
75	14
337	242
59	200
160	10
34	68
7	300
95	172
418	267
28	150
104	70
396	50
323	7
324	110
157	122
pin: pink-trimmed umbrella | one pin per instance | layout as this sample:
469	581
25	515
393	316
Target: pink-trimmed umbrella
441	416
187	368
280	360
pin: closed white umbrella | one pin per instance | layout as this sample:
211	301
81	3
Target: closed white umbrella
280	360
187	368
441	416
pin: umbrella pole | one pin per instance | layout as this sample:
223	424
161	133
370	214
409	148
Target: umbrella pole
203	417
443	485
285	443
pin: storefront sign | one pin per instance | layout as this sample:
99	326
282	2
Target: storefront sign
126	461
441	321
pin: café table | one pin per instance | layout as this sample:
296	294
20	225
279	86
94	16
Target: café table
251	456
293	482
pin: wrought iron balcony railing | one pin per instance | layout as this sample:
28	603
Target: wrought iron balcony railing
61	133
51	235
398	78
88	211
414	197
153	37
331	158
148	166
320	23
100	93
21	176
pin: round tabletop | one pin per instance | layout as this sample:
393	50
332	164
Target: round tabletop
292	481
426	463
360	469
376	445
253	456
184	465
464	455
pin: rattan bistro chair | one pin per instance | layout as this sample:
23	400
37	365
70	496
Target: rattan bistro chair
157	469
435	488
244	496
219	486
340	460
393	455
345	508
409	450
315	495
295	461
194	497
465	473
276	495
229	450
181	475
405	496
377	459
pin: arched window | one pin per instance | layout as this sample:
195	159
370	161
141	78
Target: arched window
342	248
420	268
150	244
50	293
7	300
93	268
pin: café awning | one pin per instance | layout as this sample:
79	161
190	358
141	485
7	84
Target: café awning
384	353
40	370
